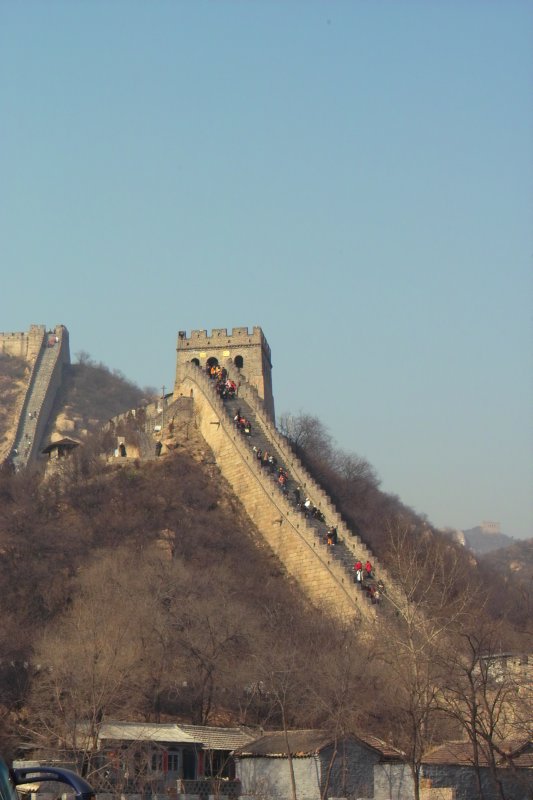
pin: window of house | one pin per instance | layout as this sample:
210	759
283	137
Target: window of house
173	762
157	762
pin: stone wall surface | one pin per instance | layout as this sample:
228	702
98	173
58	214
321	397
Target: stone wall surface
43	384
322	578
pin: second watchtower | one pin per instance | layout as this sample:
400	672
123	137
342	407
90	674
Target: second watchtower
249	352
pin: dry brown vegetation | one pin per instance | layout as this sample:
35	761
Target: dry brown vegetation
157	573
13	376
91	393
144	592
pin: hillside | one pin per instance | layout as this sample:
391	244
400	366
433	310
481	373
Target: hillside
140	589
482	540
90	395
155	573
514	562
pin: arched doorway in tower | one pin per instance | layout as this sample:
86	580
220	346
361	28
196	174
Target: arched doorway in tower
195	361
239	362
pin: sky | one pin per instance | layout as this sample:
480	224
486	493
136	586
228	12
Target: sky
355	177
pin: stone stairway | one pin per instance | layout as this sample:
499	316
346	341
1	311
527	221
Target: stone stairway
351	541
324	572
258	439
26	444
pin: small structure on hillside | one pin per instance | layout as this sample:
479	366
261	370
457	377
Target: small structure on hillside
61	448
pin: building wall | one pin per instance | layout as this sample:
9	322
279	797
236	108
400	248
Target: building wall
269	778
463	780
252	347
393	782
352	774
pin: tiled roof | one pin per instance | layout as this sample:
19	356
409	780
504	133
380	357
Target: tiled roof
453	753
219	738
144	732
386	750
463	753
301	743
309	742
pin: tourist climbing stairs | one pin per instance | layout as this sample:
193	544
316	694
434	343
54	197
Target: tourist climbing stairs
258	440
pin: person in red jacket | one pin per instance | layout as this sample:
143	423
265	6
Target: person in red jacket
368	569
358	567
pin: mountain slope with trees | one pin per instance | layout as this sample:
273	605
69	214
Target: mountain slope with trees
143	591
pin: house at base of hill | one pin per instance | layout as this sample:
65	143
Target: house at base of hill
322	765
139	760
452	764
448	773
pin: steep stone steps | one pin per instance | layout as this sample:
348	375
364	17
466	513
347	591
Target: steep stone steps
324	572
30	423
258	439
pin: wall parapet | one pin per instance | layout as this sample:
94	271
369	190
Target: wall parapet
240	337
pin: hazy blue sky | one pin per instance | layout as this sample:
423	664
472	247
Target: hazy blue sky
355	177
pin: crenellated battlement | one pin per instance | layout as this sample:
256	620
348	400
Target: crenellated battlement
23	344
220	337
247	350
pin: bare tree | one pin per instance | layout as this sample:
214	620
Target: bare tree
422	609
306	432
91	662
481	692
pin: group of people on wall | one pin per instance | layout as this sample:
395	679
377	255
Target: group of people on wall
363	575
226	388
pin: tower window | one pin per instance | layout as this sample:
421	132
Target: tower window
239	362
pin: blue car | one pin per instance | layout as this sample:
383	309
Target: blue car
11	778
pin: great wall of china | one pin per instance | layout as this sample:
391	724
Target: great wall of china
323	572
46	353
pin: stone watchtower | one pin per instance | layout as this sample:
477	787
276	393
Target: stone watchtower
249	352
